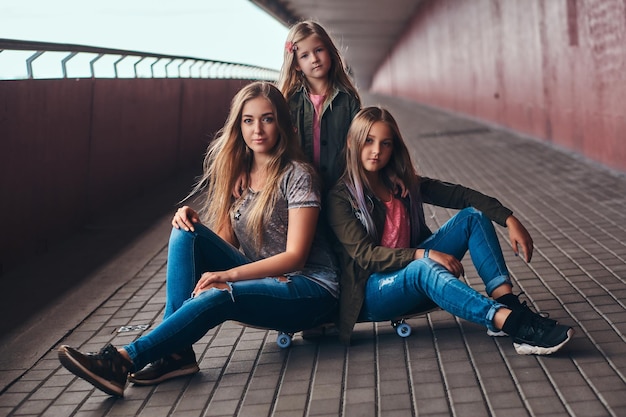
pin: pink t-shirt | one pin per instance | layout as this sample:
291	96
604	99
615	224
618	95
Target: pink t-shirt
396	231
318	102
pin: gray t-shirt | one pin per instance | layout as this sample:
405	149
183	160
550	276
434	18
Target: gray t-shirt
298	188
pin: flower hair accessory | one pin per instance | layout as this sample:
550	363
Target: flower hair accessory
290	47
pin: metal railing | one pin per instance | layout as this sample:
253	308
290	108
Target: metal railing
44	60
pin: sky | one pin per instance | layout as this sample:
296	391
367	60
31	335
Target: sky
222	30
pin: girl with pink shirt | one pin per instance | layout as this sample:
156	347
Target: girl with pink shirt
393	265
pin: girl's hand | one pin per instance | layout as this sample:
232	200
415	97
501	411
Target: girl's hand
240	185
519	236
399	185
184	218
447	261
210	280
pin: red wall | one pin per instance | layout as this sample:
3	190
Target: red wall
70	149
551	69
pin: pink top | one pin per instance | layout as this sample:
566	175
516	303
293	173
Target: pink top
318	102
396	230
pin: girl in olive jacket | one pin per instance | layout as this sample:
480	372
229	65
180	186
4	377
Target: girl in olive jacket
393	265
321	96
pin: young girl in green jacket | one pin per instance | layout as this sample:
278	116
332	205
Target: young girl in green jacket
322	98
393	265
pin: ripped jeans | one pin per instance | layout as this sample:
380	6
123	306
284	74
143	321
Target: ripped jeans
287	304
393	294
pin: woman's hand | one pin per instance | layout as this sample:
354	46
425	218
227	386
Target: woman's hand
447	261
519	236
184	218
210	280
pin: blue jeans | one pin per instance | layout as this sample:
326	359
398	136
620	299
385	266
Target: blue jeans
287	304
393	294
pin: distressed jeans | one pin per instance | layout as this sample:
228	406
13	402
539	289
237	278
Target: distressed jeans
392	294
287	304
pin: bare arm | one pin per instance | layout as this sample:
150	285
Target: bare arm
302	224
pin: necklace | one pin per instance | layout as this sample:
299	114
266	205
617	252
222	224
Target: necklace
242	203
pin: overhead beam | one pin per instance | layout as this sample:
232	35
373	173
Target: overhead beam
279	10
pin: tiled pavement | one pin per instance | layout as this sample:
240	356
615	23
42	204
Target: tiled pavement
575	213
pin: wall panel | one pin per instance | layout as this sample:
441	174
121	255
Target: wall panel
70	149
554	70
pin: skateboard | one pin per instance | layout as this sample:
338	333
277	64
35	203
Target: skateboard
402	328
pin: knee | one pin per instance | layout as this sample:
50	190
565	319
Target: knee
180	236
422	273
418	268
215	295
421	268
474	215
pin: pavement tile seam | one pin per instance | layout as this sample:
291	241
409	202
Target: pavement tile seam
475	363
588	255
393	369
250	380
581	326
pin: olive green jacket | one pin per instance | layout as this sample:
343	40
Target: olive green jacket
360	256
337	116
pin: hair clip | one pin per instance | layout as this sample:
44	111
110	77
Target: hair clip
290	47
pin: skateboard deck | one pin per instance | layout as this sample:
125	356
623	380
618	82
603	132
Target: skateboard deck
402	328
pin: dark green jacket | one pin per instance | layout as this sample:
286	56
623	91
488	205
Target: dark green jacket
360	256
337	115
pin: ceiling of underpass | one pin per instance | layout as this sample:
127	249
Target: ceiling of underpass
364	30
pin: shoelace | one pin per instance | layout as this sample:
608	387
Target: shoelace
526	307
104	353
109	354
536	325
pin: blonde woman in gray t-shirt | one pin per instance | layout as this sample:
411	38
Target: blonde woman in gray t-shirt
256	259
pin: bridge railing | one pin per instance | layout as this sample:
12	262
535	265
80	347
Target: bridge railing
83	130
44	60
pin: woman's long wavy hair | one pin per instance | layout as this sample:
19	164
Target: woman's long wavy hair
290	79
228	158
399	166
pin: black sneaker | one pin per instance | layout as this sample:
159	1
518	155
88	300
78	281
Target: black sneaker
172	366
538	336
511	301
107	370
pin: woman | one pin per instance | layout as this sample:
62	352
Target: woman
284	277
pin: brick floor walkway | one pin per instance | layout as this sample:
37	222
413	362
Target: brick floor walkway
575	213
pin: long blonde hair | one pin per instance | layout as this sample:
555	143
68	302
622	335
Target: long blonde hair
290	79
228	158
399	166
